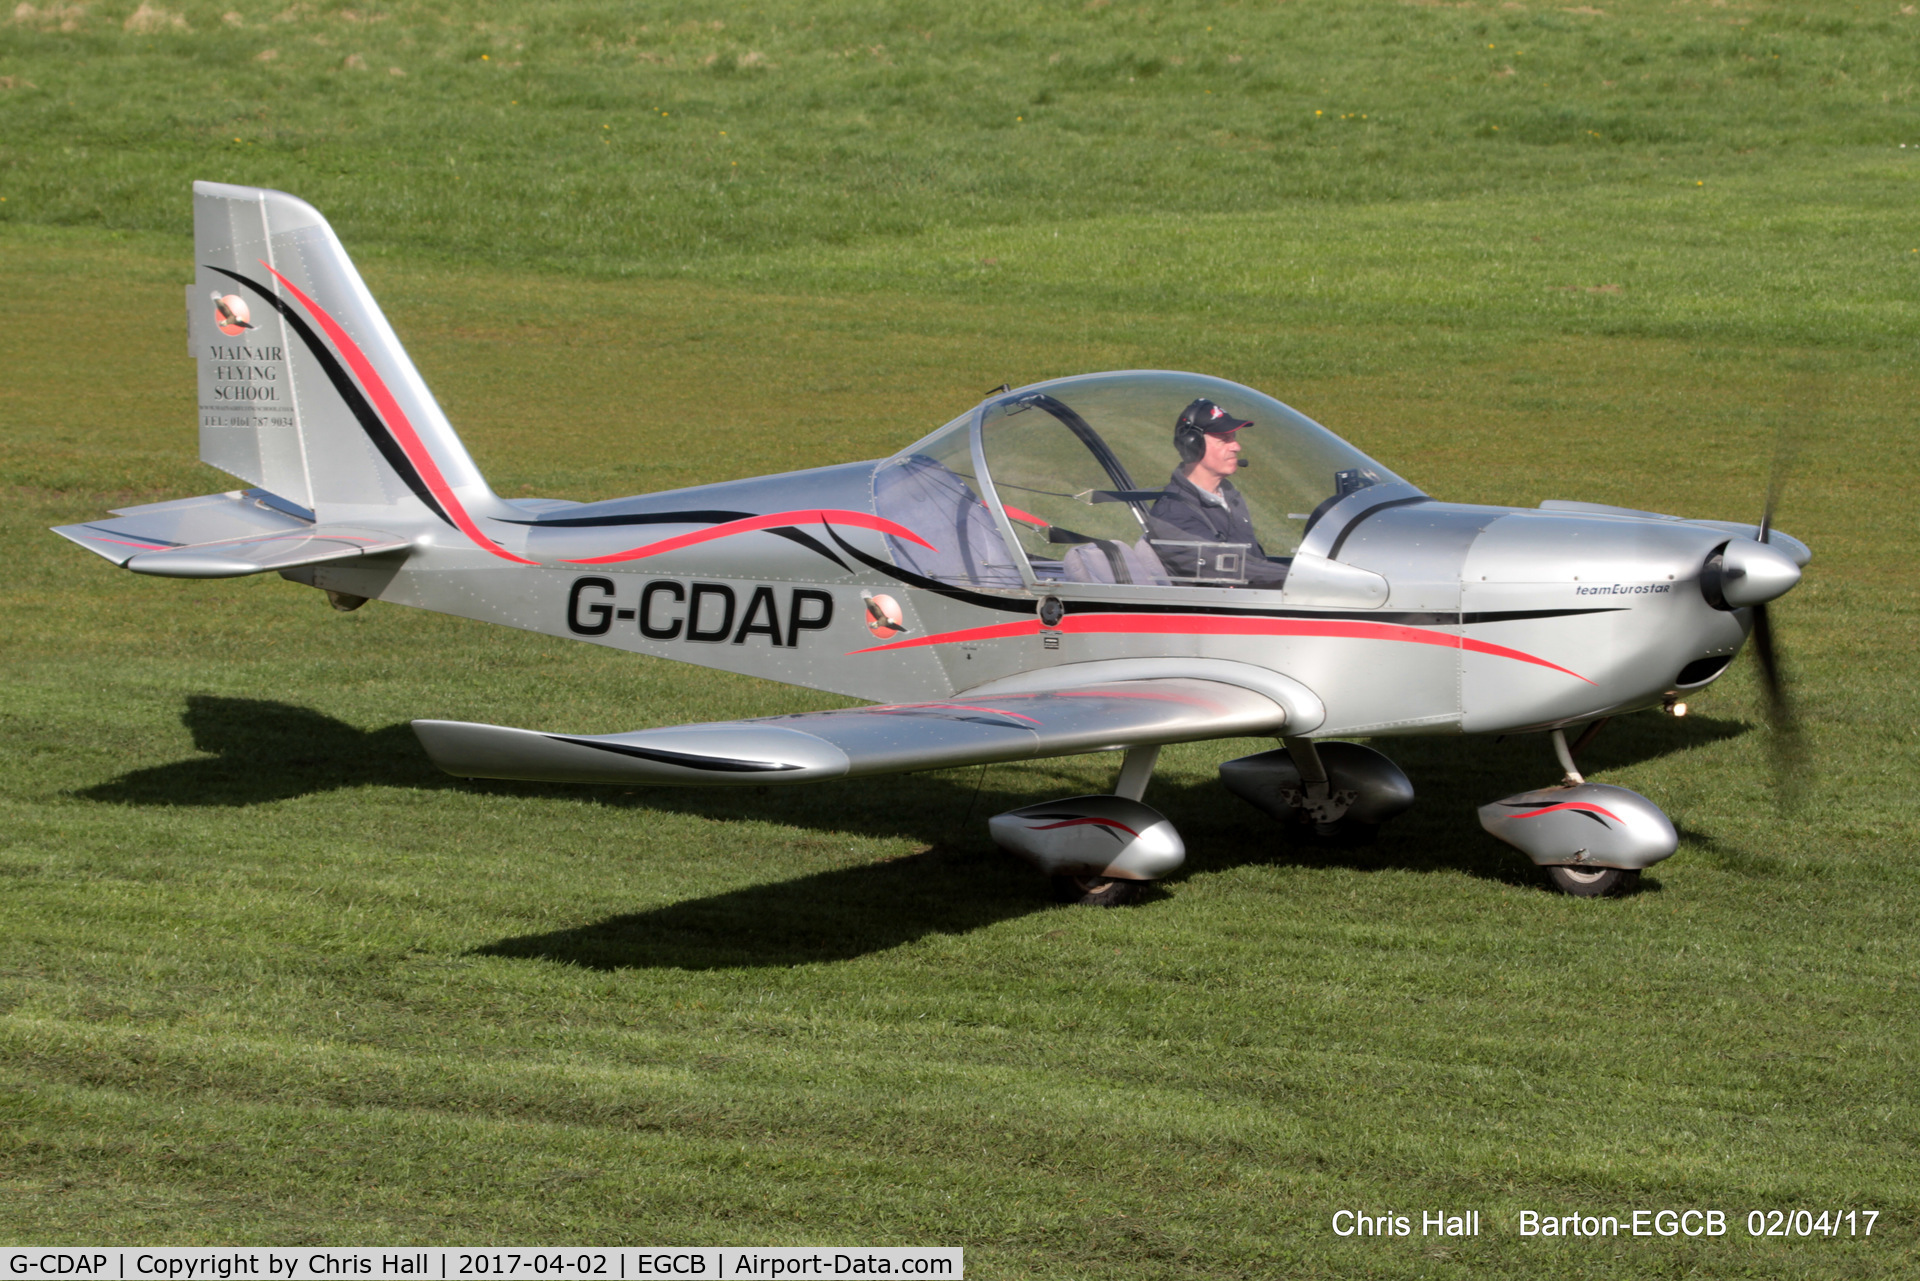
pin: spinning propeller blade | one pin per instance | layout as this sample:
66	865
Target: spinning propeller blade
1788	746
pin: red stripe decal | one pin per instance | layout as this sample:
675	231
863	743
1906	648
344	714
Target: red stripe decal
1501	651
950	707
836	516
1026	627
1216	625
122	542
286	537
1571	805
396	423
1085	822
1154	696
1025	518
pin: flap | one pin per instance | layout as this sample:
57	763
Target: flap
887	739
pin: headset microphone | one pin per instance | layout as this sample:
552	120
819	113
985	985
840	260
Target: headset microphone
1199	420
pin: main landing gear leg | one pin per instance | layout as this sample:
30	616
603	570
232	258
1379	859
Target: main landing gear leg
1136	771
1573	776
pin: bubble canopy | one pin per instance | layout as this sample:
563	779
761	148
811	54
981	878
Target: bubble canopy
1079	480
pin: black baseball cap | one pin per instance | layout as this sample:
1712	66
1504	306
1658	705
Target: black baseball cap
1208	417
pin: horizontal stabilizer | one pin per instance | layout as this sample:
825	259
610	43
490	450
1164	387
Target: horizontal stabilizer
224	536
888	739
275	551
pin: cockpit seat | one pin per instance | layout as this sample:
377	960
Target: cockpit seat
939	505
1106	561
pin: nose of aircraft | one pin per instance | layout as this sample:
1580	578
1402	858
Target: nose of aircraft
1751	573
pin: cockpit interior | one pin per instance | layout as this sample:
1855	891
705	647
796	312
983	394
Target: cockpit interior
1072	482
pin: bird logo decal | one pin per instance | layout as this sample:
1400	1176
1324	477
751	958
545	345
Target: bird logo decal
884	618
231	314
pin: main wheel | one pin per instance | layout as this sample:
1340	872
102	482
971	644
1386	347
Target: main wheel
1097	891
1594	882
1342	833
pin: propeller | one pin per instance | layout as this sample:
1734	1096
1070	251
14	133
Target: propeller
1789	749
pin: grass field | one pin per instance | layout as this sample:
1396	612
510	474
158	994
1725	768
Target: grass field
266	976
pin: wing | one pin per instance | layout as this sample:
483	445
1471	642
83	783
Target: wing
888	739
224	536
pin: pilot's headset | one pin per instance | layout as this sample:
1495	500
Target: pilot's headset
1195	422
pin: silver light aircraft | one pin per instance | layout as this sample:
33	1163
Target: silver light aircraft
1063	568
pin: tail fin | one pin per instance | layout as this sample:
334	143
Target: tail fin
304	389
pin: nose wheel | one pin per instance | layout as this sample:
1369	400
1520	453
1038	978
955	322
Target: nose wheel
1591	839
1594	882
1097	891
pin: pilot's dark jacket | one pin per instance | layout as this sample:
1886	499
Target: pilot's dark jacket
1184	513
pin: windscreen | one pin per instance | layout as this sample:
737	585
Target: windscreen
1084	466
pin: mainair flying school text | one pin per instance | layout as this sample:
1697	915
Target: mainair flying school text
242	373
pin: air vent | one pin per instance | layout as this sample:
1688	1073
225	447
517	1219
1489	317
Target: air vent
1702	670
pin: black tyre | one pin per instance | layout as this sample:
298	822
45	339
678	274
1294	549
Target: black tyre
1097	891
1594	882
1340	834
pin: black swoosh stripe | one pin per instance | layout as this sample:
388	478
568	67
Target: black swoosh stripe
1404	617
1518	615
1407	618
711	517
933	584
1333	552
363	412
809	542
1520	805
690	760
787	532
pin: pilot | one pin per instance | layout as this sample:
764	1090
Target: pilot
1202	506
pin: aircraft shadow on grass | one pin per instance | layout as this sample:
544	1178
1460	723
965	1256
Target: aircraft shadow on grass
259	752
